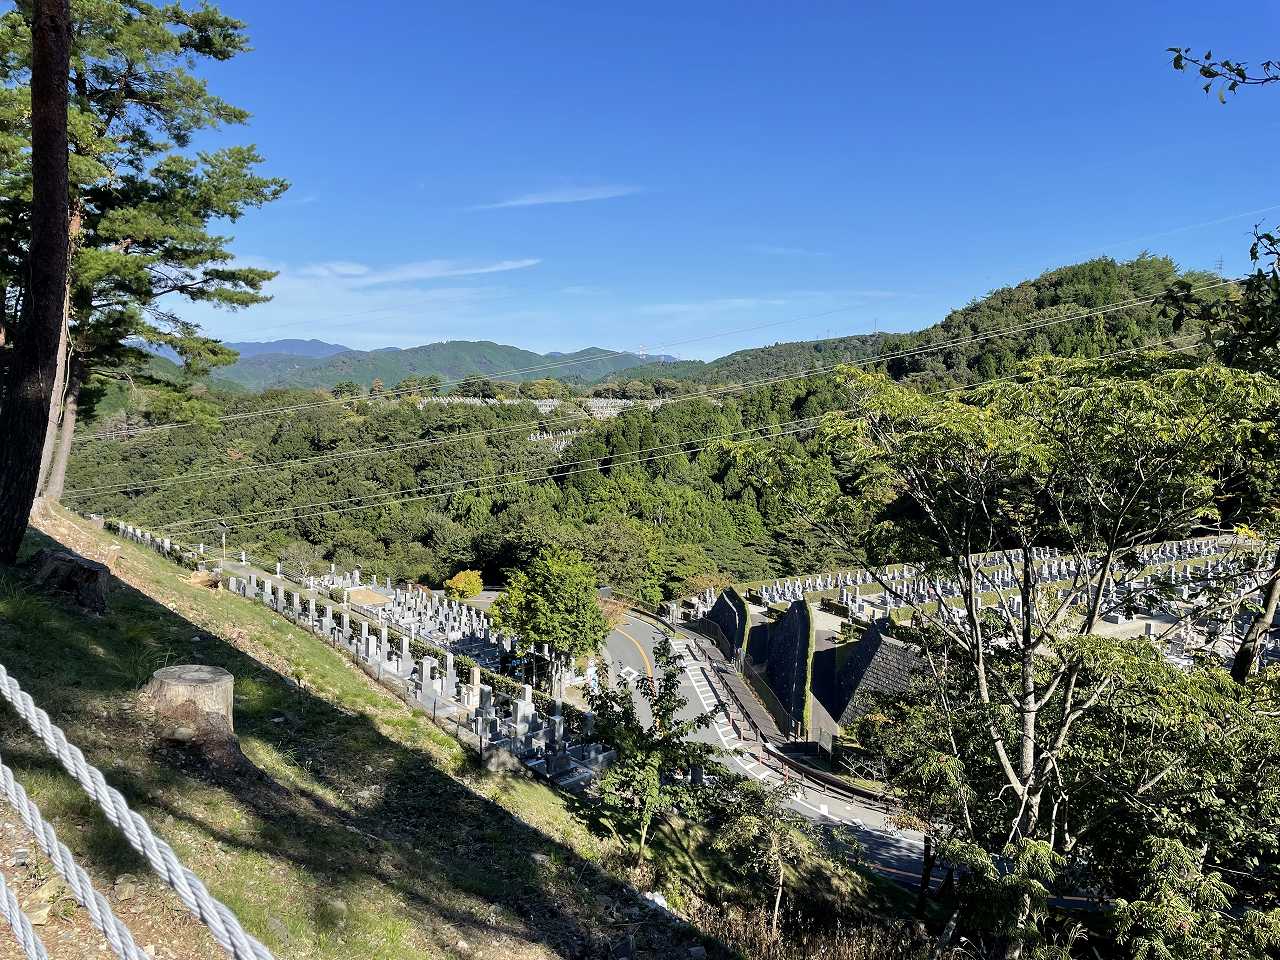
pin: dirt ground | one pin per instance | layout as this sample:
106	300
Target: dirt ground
159	922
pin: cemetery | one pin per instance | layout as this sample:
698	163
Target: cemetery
439	655
1167	594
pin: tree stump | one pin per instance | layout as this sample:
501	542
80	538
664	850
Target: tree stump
196	700
85	580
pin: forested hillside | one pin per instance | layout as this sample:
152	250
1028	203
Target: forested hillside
645	526
450	360
1067	292
652	528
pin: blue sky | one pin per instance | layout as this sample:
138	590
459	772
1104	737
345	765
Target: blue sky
649	175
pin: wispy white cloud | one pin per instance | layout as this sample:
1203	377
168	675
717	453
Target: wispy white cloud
362	275
719	305
333	268
562	195
367	305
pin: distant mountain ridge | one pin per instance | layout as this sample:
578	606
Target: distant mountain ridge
1066	312
313	363
292	348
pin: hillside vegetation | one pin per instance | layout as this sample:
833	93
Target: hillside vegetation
450	360
371	834
375	835
651	528
1066	292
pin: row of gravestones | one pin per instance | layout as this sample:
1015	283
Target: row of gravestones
419	614
501	721
1049	564
162	545
905	589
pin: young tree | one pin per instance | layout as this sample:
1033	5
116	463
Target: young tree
30	379
654	775
141	203
464	584
767	837
553	601
303	558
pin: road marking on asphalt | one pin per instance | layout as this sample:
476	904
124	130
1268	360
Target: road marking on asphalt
643	655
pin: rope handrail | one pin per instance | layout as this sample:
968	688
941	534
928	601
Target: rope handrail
222	923
100	913
21	924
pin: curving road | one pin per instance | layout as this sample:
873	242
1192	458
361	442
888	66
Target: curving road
629	649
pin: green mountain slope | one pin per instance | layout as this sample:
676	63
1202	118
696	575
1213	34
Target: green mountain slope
1067	292
451	360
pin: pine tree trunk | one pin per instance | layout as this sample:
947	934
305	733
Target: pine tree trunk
61	384
1247	655
56	403
66	434
24	418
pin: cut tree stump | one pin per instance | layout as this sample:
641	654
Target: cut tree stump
193	704
197	701
85	580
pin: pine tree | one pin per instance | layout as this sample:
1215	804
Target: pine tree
141	202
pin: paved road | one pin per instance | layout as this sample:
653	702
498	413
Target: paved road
630	648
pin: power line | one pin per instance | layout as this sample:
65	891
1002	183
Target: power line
731	388
472	485
390	498
603	354
522	474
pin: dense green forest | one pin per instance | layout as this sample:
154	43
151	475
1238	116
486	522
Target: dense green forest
449	360
1067	292
651	528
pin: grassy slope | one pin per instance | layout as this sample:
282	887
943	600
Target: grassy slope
379	811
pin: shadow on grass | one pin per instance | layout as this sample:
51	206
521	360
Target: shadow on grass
411	827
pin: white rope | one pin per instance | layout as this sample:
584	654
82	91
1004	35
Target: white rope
222	923
100	914
21	924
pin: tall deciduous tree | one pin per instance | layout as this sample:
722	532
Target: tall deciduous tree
32	367
1243	330
1093	460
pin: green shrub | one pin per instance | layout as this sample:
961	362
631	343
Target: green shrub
464	584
